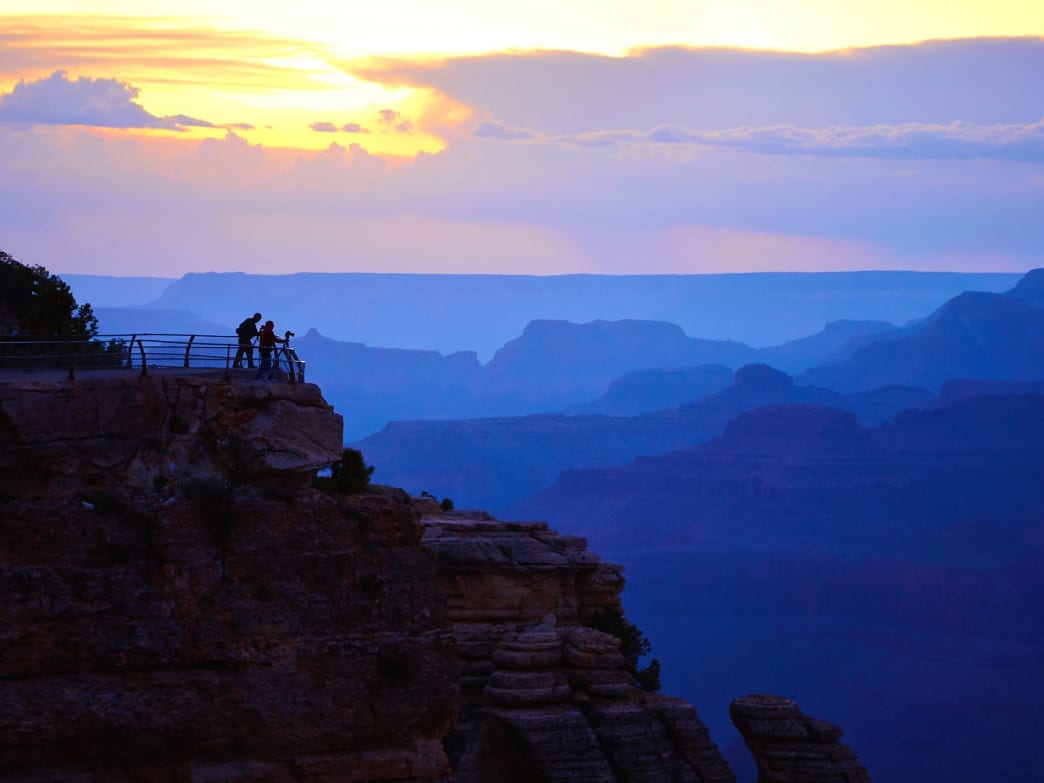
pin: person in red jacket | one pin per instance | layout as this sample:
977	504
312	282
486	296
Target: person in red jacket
266	342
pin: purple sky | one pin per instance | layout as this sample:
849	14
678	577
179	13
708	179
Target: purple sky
926	156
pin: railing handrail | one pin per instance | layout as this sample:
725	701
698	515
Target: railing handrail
166	349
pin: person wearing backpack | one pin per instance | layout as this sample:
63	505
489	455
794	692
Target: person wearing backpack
246	332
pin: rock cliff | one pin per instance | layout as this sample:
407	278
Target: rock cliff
182	605
790	747
540	687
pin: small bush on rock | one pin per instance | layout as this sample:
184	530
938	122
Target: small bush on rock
350	475
633	646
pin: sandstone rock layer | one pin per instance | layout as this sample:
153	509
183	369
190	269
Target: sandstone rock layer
544	696
790	747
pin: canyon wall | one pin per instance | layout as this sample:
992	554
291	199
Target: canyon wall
181	604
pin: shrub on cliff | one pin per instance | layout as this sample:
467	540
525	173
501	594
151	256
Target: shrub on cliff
350	475
633	646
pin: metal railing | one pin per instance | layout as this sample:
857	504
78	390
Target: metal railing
139	351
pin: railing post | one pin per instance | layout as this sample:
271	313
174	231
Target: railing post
188	348
72	361
228	361
144	363
130	350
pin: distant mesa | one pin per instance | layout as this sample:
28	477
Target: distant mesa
973	335
793	430
798	469
641	391
1030	288
956	388
496	463
575	362
147	320
1009	425
760	374
762	377
837	340
759	384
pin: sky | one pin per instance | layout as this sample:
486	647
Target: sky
546	137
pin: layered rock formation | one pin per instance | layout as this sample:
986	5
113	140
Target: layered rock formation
540	688
790	747
137	434
498	463
181	605
973	335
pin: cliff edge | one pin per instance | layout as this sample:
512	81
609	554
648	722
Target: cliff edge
182	605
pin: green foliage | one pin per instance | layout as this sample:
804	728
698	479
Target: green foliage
648	678
350	475
633	646
633	642
35	303
446	504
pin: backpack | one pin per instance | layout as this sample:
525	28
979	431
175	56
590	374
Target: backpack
245	329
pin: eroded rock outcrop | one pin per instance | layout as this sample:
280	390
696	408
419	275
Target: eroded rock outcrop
544	696
790	747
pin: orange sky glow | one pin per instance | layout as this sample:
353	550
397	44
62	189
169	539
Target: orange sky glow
553	136
280	67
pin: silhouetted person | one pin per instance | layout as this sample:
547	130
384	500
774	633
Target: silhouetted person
266	342
246	332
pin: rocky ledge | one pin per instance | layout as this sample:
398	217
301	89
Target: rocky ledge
790	747
545	697
180	604
138	434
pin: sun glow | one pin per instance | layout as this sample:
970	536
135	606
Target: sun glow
275	72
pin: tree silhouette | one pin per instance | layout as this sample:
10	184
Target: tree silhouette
35	303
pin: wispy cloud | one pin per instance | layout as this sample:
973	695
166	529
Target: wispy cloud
910	141
497	130
183	120
166	50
